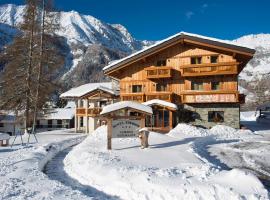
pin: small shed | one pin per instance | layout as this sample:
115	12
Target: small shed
125	119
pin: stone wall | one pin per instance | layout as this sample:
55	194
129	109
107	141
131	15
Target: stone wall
199	114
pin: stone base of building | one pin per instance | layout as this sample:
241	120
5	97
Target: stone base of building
200	114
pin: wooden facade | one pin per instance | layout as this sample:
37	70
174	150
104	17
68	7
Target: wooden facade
183	71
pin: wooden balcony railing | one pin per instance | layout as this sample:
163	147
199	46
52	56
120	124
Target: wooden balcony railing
91	112
211	97
165	96
210	69
142	97
158	72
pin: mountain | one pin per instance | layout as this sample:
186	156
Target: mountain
80	33
254	80
89	44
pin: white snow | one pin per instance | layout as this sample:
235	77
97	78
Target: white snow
4	136
58	113
126	104
21	168
172	168
161	103
86	88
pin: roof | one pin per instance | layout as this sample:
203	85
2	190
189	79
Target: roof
182	35
58	113
87	88
126	105
161	103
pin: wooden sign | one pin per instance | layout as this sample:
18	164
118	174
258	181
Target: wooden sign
124	128
211	98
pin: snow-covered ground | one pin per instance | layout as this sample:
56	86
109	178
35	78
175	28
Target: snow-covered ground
20	168
176	166
187	163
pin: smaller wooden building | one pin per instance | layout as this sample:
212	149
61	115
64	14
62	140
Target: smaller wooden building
89	100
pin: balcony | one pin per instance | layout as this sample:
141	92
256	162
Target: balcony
91	112
211	97
158	72
142	97
210	69
165	96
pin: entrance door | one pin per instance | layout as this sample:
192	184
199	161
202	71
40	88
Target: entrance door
161	118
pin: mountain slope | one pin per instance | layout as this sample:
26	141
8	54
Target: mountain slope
79	32
255	77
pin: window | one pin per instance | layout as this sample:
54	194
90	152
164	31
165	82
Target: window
161	87
196	86
81	121
136	88
1	124
49	123
215	85
196	60
59	123
161	63
216	116
214	59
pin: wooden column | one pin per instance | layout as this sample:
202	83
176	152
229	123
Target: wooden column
171	119
109	132
86	113
75	118
143	121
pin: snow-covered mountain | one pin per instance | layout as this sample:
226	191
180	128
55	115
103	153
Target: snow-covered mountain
255	78
79	32
91	43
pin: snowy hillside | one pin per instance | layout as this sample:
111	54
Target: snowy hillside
255	78
78	28
79	32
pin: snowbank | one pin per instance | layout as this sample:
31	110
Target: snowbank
187	130
245	183
219	131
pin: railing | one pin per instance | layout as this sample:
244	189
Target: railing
210	97
88	111
165	96
158	72
142	97
210	69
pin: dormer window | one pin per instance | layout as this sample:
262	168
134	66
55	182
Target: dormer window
196	60
214	59
161	63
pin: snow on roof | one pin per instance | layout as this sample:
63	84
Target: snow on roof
160	102
58	113
86	88
126	104
113	63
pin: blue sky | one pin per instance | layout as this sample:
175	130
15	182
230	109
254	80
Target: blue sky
157	19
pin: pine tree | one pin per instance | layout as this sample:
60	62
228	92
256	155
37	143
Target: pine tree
32	62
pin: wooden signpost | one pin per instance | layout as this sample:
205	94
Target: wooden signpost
123	124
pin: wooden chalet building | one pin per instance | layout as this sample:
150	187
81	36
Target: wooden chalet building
90	99
197	74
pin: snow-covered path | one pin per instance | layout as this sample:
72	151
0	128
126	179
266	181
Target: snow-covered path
55	171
